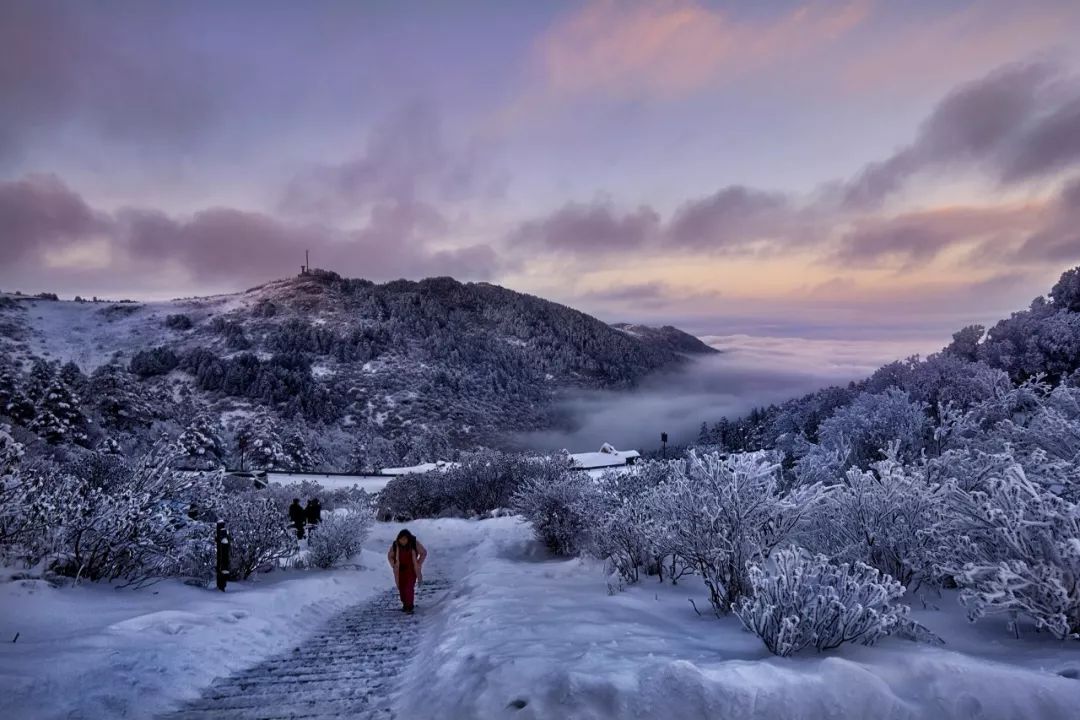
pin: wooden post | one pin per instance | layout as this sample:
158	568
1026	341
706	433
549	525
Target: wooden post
222	543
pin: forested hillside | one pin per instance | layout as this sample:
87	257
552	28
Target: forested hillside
313	371
908	400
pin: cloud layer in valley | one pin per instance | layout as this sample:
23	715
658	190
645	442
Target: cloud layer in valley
751	372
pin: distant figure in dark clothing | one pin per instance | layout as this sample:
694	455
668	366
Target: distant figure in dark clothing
313	511
298	518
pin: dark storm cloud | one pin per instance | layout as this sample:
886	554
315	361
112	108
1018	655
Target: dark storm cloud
592	228
219	244
40	212
1018	123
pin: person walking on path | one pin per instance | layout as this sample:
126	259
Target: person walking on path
406	558
298	517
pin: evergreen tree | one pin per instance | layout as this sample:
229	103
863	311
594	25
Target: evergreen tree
200	444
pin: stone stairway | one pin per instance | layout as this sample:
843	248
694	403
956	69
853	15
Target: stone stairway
349	669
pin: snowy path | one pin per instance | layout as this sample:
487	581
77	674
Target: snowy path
350	669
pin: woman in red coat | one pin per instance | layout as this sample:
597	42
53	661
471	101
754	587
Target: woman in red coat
406	557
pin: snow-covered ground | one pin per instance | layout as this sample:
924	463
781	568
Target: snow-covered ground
369	483
525	636
521	635
97	652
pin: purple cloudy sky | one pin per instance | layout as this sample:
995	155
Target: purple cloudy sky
818	168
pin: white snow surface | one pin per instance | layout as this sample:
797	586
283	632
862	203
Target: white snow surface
521	635
368	483
94	651
528	637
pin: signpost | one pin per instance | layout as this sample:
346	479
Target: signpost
663	442
221	540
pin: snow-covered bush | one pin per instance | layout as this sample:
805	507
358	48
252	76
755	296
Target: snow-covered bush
872	421
480	483
562	506
628	532
340	535
1019	552
410	496
103	519
801	600
722	514
626	536
12	517
259	531
10	453
890	517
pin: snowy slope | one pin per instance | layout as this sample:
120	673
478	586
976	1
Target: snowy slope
525	637
520	636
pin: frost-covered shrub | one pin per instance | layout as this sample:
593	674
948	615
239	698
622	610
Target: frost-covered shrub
891	517
340	535
1019	552
410	496
10	453
258	530
103	519
12	517
723	514
179	321
801	600
872	421
563	507
478	484
485	481
629	535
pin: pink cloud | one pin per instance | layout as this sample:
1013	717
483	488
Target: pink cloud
669	49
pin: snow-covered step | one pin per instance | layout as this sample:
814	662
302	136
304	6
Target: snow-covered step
349	669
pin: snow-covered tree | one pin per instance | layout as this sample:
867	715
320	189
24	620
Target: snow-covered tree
14	402
10	453
57	415
118	398
965	343
872	421
298	455
801	600
259	439
723	514
199	445
1066	293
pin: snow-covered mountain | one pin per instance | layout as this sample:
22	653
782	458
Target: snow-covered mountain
442	362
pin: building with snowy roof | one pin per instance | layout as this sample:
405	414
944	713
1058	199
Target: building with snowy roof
607	457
